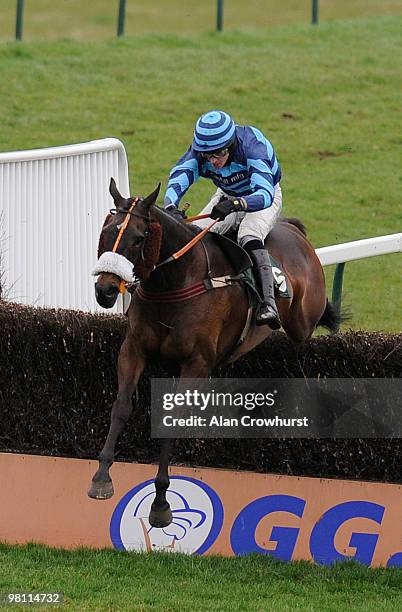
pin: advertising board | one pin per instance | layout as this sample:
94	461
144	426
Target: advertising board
214	512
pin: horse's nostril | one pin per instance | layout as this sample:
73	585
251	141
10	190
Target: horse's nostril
108	290
106	294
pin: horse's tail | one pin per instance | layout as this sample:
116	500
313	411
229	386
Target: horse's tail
332	318
297	223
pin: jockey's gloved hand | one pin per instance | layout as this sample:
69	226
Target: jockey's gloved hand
227	206
178	214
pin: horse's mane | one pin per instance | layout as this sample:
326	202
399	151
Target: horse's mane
196	229
297	223
192	229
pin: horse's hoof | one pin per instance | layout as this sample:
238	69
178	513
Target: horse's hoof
101	490
158	518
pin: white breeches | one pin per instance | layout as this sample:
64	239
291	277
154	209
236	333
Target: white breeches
251	225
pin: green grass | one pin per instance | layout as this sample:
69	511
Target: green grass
327	97
97	19
111	580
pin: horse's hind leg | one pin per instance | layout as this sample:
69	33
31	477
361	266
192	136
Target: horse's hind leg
296	322
130	367
161	514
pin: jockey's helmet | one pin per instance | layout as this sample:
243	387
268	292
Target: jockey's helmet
213	131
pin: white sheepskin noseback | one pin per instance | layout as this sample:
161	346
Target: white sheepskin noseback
114	264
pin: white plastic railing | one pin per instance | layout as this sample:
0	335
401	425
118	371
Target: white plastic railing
360	249
339	254
52	204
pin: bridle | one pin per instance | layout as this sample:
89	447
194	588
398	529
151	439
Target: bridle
130	213
175	256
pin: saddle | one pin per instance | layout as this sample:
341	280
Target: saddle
243	271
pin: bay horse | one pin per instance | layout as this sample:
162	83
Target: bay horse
173	319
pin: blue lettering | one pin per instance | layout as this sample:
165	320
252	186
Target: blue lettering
242	536
322	537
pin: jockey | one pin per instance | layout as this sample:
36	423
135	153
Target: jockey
242	164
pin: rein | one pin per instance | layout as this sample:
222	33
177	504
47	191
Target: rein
191	291
192	242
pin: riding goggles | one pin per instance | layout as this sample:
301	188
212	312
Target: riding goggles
216	154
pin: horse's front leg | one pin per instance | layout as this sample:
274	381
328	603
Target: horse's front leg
161	514
130	368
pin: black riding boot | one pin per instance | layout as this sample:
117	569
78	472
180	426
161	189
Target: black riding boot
268	312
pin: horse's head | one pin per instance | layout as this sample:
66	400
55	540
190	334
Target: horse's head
125	250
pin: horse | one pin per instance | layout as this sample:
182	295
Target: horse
174	319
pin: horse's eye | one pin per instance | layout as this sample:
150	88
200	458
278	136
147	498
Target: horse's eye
137	240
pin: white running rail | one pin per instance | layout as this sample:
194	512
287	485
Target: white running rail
360	249
52	206
339	254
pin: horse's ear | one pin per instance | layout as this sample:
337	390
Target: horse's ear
114	192
151	199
